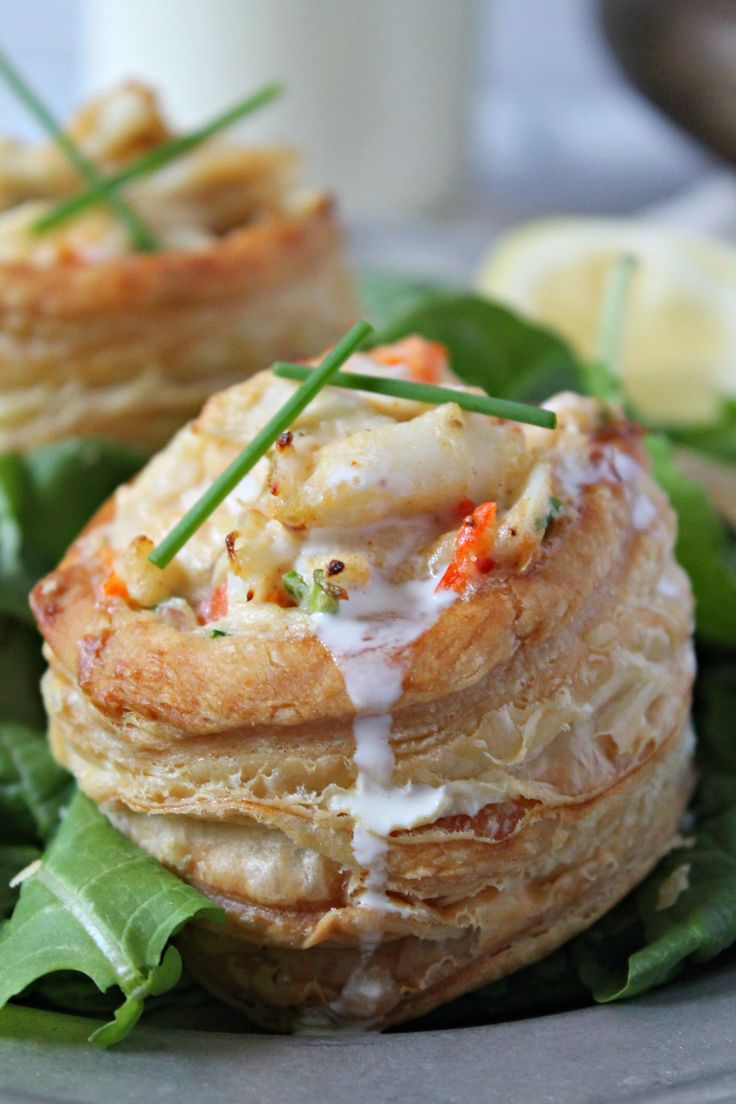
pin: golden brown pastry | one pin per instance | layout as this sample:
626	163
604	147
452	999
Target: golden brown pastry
477	747
98	339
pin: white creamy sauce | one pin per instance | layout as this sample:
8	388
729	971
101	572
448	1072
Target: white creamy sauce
643	512
668	588
625	467
368	640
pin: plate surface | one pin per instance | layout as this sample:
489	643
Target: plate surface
673	1047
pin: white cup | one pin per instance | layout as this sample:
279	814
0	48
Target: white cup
377	90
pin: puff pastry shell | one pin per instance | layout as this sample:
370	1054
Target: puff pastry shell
540	723
100	340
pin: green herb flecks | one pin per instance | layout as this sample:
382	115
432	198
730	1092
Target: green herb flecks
295	585
555	505
164	552
33	787
154	160
427	393
140	236
321	597
218	632
324	596
99	905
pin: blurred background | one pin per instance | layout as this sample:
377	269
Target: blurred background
473	114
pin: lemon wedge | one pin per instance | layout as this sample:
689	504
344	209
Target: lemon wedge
678	354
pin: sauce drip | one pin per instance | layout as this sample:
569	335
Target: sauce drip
369	639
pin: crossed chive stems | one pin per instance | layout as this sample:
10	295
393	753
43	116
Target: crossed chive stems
313	380
103	189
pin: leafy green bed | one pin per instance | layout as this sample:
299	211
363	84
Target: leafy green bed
93	918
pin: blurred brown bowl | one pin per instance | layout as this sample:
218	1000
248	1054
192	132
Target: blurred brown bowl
682	55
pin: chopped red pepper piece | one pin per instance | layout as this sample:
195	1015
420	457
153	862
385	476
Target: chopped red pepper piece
426	360
215	607
473	546
114	586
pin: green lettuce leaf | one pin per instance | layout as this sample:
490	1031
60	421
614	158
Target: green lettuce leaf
33	787
99	905
387	296
21	667
490	346
717	438
74	992
67	481
16	579
13	858
46	497
702	547
715	702
697	926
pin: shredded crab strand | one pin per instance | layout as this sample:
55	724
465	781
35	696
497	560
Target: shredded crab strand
473	546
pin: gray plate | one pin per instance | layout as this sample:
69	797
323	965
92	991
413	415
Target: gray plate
676	1045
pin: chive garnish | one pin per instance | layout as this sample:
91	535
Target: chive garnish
140	237
164	552
154	159
611	328
603	372
428	393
